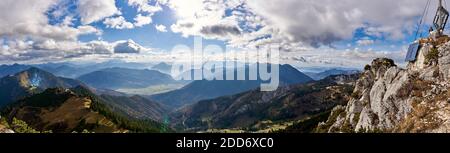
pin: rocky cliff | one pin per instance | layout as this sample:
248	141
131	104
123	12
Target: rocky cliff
3	128
388	99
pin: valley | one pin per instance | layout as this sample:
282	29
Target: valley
152	90
117	100
255	108
224	75
59	110
209	89
117	78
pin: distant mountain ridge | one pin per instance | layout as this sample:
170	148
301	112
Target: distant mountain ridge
331	72
116	78
30	81
72	70
34	81
205	89
77	109
163	67
246	109
6	70
64	70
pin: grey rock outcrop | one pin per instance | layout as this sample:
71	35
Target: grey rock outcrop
6	131
3	129
387	98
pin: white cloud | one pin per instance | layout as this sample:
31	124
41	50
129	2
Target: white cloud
128	46
322	22
161	28
302	28
24	19
204	18
118	23
26	34
44	51
144	6
68	21
329	57
220	30
293	22
96	10
141	20
365	42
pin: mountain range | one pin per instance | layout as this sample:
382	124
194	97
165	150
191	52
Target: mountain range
35	90
65	70
294	102
209	89
137	107
30	81
117	78
324	74
61	110
163	68
47	102
6	70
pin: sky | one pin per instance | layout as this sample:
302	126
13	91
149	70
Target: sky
311	33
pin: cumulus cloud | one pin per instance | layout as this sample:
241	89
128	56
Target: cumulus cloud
21	19
141	20
118	23
365	41
205	18
322	22
43	51
29	33
19	50
302	28
329	57
144	6
161	28
293	22
96	10
220	30
127	47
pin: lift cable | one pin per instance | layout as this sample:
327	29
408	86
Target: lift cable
446	6
424	14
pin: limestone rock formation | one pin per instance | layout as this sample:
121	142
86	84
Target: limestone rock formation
4	129
387	98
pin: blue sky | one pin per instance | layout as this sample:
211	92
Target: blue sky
325	34
147	35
